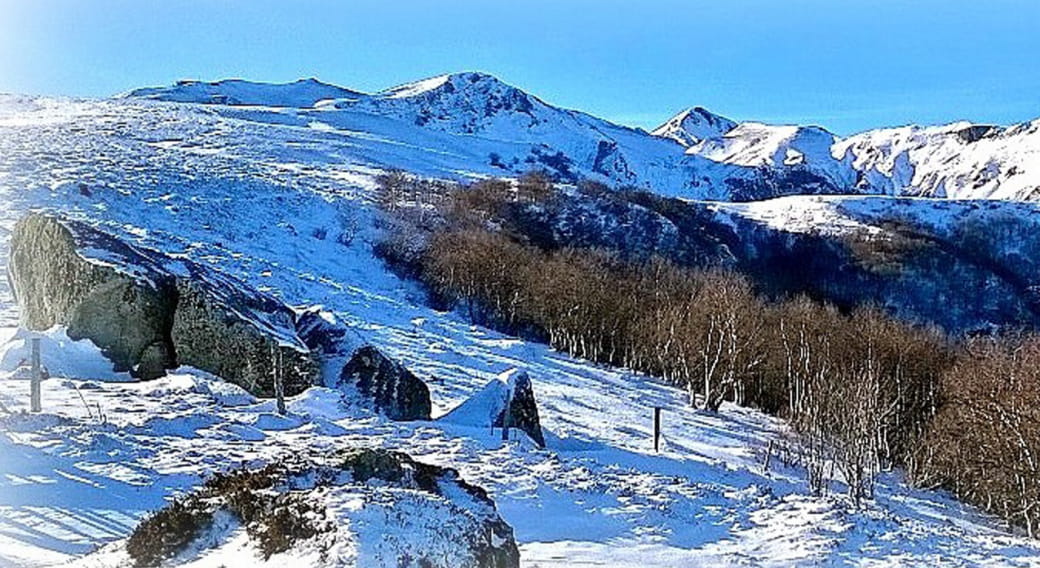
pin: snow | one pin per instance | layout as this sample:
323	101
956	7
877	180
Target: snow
948	161
304	93
72	482
484	408
59	355
418	87
104	453
754	144
837	215
451	126
798	214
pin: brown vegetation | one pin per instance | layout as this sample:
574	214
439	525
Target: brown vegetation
864	392
984	443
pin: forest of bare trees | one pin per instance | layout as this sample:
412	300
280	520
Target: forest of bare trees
863	391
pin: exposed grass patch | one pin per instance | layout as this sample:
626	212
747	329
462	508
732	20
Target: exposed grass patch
275	503
275	515
168	531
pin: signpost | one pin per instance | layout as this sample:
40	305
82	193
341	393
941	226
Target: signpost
36	376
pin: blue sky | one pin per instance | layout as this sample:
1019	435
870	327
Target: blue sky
847	65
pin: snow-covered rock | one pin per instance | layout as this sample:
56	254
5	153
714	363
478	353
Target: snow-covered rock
507	400
360	507
394	390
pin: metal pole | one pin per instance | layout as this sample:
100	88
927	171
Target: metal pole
36	377
657	428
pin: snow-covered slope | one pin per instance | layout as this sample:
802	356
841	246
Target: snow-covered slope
301	94
489	127
754	144
265	195
960	160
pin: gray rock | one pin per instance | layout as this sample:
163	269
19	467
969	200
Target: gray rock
506	400
240	335
127	315
493	546
325	335
522	411
148	312
396	392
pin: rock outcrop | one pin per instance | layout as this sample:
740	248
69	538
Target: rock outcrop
395	390
488	544
149	312
374	507
239	334
508	400
352	365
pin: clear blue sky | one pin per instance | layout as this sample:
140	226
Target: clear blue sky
845	64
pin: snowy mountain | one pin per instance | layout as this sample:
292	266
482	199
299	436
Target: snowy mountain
503	130
273	186
693	125
300	94
780	148
960	160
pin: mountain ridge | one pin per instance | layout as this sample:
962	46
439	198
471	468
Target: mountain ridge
695	154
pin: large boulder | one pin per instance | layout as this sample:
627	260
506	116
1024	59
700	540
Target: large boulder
239	334
127	313
351	364
394	389
507	400
149	312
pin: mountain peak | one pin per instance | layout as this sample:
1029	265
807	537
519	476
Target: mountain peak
694	125
448	83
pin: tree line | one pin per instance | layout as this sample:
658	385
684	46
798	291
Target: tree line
863	391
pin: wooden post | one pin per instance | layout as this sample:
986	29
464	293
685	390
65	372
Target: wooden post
505	416
657	428
279	384
36	377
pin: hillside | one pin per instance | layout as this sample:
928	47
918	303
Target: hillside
277	191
